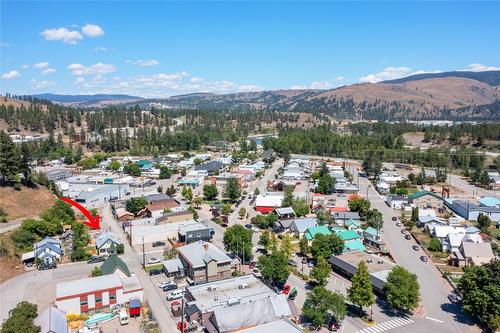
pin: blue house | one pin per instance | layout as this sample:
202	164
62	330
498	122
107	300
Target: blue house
48	250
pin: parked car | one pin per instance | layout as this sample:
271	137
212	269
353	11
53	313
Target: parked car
310	264
248	226
155	271
251	265
403	231
398	224
164	283
333	325
408	237
415	247
153	260
292	294
45	266
394	218
170	286
159	243
423	258
96	259
175	295
454	298
255	229
286	289
292	262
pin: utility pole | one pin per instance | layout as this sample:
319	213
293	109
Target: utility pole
182	315
143	254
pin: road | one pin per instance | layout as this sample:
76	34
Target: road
433	288
470	189
163	317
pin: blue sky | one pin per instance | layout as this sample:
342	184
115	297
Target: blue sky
159	49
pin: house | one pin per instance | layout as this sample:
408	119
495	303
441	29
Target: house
352	240
211	168
282	225
191	181
341	218
145	164
441	231
122	215
96	294
371	232
52	320
383	187
471	211
390	178
48	250
58	174
300	226
266	203
471	253
424	199
281	325
352	224
396	201
452	242
195	232
285	213
204	262
424	220
158	208
354	245
114	265
173	268
106	242
318	230
378	268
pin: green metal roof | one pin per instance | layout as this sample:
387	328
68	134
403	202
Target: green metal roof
371	231
313	231
113	263
354	245
348	235
417	195
352	222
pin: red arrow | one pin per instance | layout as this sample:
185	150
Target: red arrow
92	222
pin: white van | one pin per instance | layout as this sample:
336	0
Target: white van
175	295
123	317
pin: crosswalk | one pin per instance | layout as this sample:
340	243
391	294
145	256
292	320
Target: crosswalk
386	325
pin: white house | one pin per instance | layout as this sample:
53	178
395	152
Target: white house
104	241
48	250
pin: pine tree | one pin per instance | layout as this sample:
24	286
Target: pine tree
9	158
361	292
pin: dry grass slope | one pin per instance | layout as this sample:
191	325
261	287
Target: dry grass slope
26	203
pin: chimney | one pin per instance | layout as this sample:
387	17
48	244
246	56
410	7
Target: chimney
205	245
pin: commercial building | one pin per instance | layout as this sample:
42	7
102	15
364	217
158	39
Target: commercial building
96	294
378	268
52	320
195	232
266	203
101	194
471	211
204	262
425	199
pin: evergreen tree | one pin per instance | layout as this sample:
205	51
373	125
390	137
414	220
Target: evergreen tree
9	158
321	271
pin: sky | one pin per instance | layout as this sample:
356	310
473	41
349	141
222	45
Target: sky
160	49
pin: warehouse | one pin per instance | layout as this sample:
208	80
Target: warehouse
96	294
102	194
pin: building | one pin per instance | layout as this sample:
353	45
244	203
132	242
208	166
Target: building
471	211
342	217
471	253
195	232
378	268
425	199
235	303
102	194
58	174
396	201
106	243
281	325
114	265
52	320
96	294
158	208
48	250
212	167
390	178
318	230
204	262
489	202
173	268
285	213
300	226
268	202
150	230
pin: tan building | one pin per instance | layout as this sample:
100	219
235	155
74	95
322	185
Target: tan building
204	262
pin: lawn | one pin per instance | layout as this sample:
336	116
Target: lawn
150	267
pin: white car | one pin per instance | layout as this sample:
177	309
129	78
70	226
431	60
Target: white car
255	229
175	295
153	260
164	284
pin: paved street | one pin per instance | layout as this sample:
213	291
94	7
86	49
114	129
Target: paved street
433	288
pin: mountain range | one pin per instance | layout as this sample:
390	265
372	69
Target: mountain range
455	95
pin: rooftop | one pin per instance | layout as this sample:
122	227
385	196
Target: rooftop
246	288
84	286
200	253
374	263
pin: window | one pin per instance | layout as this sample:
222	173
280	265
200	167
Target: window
190	235
112	297
83	302
198	234
98	299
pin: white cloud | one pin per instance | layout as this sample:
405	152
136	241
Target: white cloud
25	66
100	49
140	62
340	78
41	65
391	73
10	75
36	84
325	84
48	71
99	68
92	30
480	68
62	34
79	80
321	85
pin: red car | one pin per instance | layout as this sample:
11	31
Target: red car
286	289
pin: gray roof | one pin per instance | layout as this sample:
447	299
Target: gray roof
52	320
301	225
173	265
103	238
198	256
281	325
346	215
192	227
285	211
157	197
101	190
48	242
210	166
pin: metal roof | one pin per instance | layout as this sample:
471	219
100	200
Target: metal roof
88	285
200	253
52	320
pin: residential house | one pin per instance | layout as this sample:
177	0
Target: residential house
173	268
471	253
106	243
373	239
204	262
424	220
383	187
313	231
212	167
195	232
352	224
352	240
285	213
282	225
52	320
341	218
396	201
48	250
452	242
157	209
300	226
390	178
